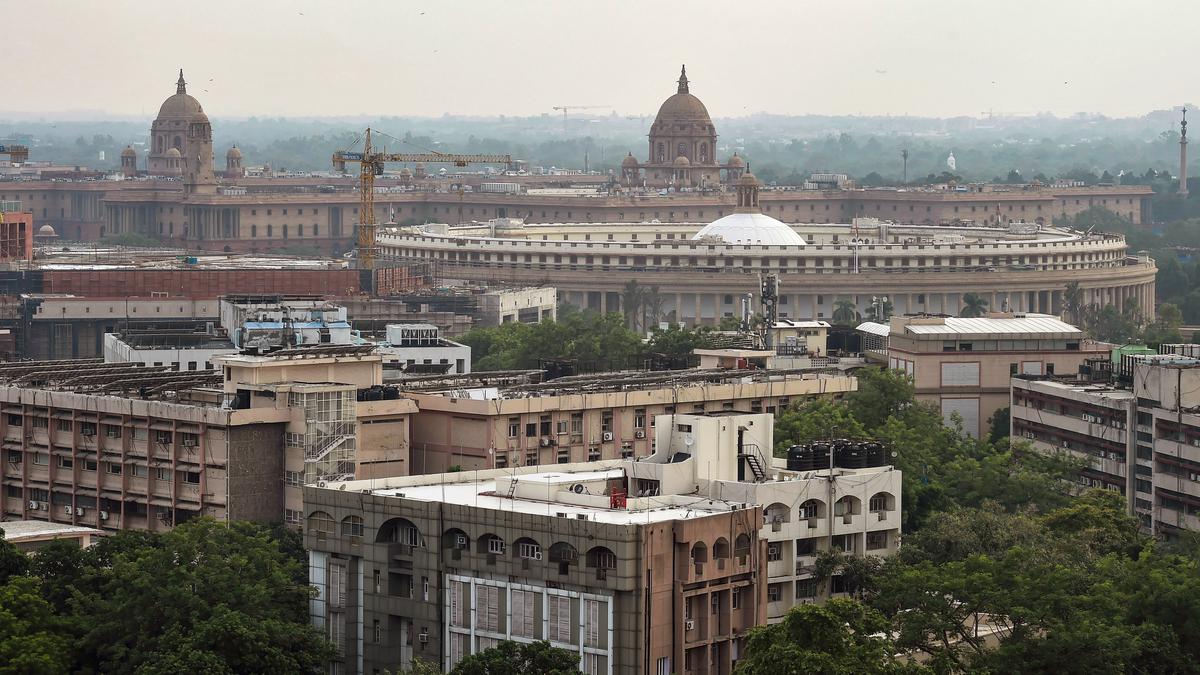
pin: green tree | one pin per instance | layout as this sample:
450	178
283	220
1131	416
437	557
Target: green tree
12	561
814	420
513	658
841	637
31	639
1073	302
207	597
998	424
845	312
881	394
974	305
632	297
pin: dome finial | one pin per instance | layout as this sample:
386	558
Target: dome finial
683	81
181	85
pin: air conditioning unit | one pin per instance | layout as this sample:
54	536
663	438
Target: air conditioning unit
79	511
545	442
188	442
607	436
423	637
68	510
537	555
639	434
45	506
689	624
104	515
33	506
460	541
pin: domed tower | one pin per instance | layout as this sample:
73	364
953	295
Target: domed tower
734	169
629	170
182	125
419	171
129	162
233	163
683	129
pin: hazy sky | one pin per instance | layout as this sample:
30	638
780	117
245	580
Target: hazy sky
922	57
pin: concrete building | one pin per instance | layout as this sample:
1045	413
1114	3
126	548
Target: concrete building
126	446
921	268
184	349
524	305
16	233
30	535
651	566
499	420
1139	434
796	337
417	348
964	366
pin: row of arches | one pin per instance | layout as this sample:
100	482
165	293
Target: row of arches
526	549
720	550
816	508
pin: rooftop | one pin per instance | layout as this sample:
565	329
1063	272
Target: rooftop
1013	324
480	492
20	530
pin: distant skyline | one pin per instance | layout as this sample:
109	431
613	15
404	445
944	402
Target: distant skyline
517	57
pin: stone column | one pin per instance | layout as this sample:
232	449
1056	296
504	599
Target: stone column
678	307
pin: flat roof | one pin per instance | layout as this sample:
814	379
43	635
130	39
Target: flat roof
482	494
1017	325
1093	389
21	530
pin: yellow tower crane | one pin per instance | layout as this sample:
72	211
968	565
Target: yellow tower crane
371	165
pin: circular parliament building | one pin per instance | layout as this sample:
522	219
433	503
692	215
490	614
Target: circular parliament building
698	271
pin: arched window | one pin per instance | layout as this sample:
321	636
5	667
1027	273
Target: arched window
158	144
527	549
662	153
352	526
776	514
682	150
881	502
699	552
491	545
564	555
321	522
602	560
457	541
399	531
847	506
704	152
178	143
741	548
813	508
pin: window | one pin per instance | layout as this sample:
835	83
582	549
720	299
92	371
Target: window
564	455
774	551
806	588
639	418
774	592
113	468
14	456
292	516
561	427
138	470
320	522
523	614
879	502
189	477
531	430
65	462
293	478
63	425
806	547
162	473
529	550
736	598
560	619
39	423
496	546
352	526
577	424
112	431
877	540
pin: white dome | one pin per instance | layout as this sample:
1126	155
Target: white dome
751	228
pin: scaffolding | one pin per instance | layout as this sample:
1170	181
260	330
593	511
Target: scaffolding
330	431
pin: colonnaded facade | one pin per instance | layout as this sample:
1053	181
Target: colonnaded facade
698	282
175	193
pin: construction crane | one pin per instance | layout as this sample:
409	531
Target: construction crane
18	154
371	165
566	108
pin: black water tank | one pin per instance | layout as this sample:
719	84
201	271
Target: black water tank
799	457
848	455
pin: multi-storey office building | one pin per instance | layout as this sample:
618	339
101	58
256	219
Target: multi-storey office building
128	446
498	420
1141	437
964	365
651	566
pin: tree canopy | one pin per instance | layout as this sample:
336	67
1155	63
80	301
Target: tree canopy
204	597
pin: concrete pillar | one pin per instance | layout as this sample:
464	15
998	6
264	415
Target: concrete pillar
696	297
678	307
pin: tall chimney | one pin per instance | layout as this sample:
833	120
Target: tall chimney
1183	190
